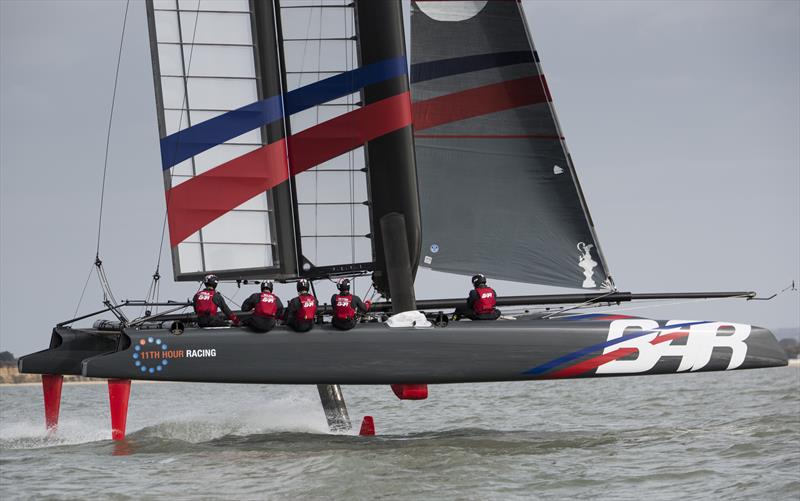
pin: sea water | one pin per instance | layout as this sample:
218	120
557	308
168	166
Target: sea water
733	435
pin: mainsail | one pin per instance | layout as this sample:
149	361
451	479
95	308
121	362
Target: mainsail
498	189
276	131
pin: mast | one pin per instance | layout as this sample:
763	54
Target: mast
391	167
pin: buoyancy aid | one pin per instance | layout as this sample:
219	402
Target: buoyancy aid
343	307
267	305
485	302
204	302
307	309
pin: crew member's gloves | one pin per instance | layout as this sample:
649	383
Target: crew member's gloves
369	304
235	321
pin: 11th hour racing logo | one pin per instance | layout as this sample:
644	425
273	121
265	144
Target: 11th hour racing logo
151	355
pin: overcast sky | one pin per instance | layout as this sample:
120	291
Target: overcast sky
683	119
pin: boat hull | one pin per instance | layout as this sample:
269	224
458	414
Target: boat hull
373	353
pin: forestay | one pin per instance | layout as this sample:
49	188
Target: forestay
498	190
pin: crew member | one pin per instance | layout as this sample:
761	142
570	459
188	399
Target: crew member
302	309
206	303
480	303
346	306
266	308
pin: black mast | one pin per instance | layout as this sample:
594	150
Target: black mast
392	173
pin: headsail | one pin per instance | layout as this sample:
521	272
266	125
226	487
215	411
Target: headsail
498	190
265	115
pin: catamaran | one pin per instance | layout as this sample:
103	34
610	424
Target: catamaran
297	142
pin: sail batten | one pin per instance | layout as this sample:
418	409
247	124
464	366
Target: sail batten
486	130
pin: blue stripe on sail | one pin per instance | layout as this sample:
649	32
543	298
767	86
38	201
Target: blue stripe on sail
421	72
602	346
186	143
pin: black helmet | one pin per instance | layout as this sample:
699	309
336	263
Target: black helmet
211	281
266	285
303	285
343	285
478	280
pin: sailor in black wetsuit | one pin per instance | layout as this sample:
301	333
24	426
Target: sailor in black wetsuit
480	303
206	303
301	310
266	306
346	306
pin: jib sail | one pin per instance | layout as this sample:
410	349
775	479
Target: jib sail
266	119
498	189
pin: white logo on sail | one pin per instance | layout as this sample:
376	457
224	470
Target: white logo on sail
452	10
557	170
587	263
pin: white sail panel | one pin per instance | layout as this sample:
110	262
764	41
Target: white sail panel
319	43
206	61
216	156
215	5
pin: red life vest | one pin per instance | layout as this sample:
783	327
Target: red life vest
485	302
204	302
343	307
267	305
308	307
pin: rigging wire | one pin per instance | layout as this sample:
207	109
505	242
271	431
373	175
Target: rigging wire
108	132
108	295
593	300
316	111
656	303
184	99
231	300
348	65
85	284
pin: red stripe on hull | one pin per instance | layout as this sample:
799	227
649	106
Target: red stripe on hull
596	362
613	317
663	338
480	101
197	202
590	364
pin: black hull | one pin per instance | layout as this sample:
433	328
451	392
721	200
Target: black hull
373	353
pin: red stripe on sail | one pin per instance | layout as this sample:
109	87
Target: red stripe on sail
346	132
203	198
480	101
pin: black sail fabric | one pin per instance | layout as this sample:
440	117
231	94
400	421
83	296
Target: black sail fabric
498	191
